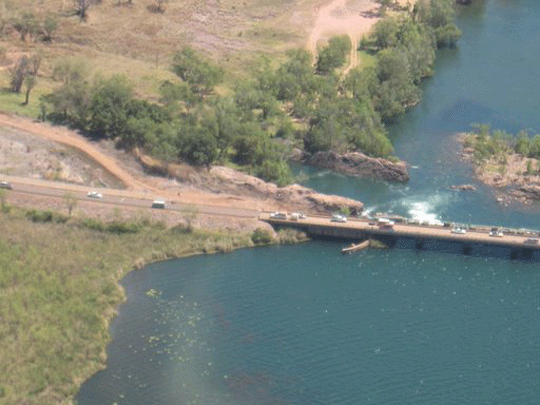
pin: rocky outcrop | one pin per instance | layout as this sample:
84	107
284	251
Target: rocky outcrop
293	196
463	187
358	164
528	191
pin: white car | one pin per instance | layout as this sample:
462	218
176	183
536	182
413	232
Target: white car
338	218
496	232
5	184
94	194
460	231
278	215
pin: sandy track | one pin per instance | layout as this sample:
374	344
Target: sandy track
353	18
70	138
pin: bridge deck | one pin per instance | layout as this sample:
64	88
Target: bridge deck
360	227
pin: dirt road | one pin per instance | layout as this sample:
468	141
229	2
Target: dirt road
353	18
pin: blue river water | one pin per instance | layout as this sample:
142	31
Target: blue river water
305	325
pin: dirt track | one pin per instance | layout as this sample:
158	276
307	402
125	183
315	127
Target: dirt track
343	17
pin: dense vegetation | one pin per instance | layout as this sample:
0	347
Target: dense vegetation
59	286
252	125
497	145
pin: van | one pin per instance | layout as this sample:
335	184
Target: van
158	204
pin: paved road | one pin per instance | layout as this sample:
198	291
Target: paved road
117	197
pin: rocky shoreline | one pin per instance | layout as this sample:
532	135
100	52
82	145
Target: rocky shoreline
508	176
356	164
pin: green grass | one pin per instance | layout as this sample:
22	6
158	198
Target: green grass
366	60
59	289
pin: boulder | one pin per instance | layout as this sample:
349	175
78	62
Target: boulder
463	187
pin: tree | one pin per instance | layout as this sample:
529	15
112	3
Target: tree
108	109
71	202
199	147
385	32
201	74
3	197
18	73
334	55
25	25
69	70
30	82
160	4
49	27
82	6
523	143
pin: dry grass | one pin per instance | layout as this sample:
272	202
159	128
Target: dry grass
136	41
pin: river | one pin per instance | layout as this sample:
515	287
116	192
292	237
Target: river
305	325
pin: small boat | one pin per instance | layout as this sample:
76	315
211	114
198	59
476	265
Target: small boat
353	248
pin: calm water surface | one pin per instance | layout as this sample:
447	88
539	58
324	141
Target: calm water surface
306	325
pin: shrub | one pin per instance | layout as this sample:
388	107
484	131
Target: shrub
261	236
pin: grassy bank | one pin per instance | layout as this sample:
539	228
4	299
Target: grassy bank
59	289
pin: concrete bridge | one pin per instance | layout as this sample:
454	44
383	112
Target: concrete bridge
521	242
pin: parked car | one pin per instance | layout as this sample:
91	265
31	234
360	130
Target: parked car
338	218
94	194
459	231
5	184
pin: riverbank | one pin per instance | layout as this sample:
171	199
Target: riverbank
60	289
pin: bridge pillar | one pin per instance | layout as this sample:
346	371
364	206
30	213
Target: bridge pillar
514	254
419	244
467	249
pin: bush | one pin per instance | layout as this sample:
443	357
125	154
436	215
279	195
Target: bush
45	216
261	236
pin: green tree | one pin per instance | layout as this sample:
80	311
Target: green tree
201	74
385	32
199	147
108	109
49	27
70	70
30	82
25	25
523	143
334	55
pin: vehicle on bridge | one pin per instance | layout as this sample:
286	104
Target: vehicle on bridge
338	218
385	224
531	241
496	232
5	184
459	231
278	215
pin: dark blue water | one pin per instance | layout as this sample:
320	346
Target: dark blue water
306	325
